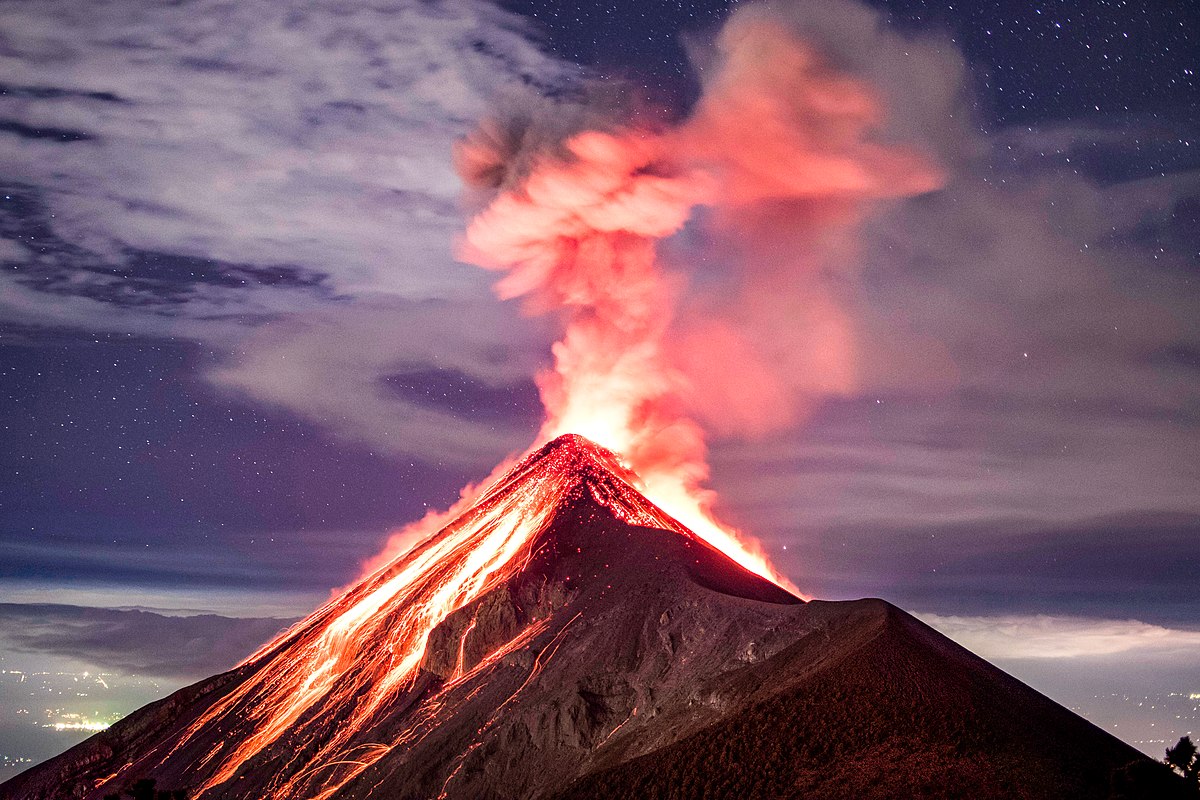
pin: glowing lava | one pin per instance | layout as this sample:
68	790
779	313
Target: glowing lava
352	658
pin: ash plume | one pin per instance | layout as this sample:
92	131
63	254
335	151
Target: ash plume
780	156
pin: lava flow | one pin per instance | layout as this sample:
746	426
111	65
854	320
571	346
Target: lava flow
362	650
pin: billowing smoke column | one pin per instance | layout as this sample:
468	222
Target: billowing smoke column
779	141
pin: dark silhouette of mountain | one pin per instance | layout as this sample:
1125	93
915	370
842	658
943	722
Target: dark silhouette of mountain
602	651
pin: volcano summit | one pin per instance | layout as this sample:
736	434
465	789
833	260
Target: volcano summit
566	638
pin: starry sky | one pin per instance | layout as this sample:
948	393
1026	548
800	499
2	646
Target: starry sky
236	349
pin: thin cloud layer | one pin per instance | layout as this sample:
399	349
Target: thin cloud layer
198	171
386	376
1102	567
132	641
315	136
1045	636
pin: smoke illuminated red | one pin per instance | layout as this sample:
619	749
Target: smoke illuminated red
574	228
578	234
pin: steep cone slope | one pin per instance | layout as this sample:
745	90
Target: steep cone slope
566	638
304	708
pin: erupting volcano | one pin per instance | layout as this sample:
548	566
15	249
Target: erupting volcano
565	637
582	626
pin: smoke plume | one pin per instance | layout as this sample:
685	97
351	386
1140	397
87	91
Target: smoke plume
783	153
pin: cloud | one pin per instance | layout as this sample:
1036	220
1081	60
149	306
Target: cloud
431	379
1140	564
272	564
206	167
262	133
132	641
1106	150
1023	288
231	166
1055	637
895	460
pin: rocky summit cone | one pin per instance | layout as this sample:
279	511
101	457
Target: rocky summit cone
566	638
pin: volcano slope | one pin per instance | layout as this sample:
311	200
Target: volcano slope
605	652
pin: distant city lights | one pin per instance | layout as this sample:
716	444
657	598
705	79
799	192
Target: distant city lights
85	725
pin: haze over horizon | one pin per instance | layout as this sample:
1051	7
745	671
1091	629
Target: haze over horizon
237	349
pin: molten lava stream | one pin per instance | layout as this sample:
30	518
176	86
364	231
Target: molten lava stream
378	628
348	659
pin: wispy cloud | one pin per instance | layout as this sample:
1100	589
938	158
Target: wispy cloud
260	133
474	400
1143	564
134	641
230	166
1047	637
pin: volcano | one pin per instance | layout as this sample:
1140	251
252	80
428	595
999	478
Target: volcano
565	638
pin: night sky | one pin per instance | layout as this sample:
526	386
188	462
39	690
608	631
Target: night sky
236	349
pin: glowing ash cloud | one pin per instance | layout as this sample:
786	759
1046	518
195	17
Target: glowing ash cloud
780	138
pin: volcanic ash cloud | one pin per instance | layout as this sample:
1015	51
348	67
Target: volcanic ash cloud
783	152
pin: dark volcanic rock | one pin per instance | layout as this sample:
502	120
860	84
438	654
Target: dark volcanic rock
633	660
894	710
469	634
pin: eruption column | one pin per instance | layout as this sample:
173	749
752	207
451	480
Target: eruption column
578	235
